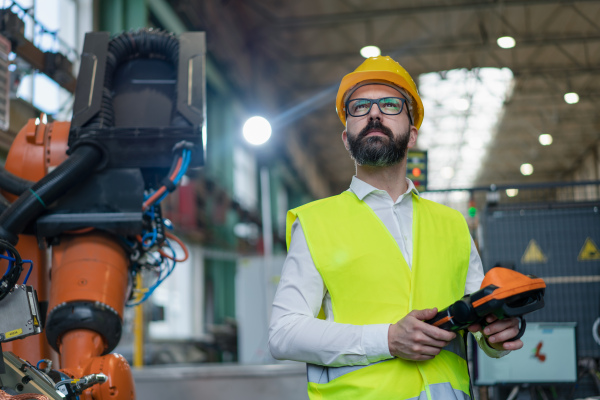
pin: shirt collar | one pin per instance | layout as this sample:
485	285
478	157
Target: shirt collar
361	188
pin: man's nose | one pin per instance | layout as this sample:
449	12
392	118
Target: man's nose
375	112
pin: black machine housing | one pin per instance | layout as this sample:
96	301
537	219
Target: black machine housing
140	94
140	97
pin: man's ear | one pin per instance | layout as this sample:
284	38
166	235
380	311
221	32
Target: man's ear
345	140
414	133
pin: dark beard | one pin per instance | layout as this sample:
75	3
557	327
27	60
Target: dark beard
377	151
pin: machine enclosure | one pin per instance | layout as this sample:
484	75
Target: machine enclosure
136	140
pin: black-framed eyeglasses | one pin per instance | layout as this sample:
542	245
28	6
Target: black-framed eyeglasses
387	105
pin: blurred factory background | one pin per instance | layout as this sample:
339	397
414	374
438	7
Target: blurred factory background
511	137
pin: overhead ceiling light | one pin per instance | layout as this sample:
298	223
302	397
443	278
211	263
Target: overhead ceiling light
506	42
462	104
545	139
526	169
370	51
571	98
257	130
447	172
512	192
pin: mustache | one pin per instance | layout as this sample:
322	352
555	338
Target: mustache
375	124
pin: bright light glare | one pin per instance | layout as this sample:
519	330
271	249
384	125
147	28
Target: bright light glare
545	139
447	172
506	42
462	104
456	139
571	98
512	192
257	130
526	169
370	51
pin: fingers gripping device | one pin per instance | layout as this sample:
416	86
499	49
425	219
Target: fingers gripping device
504	293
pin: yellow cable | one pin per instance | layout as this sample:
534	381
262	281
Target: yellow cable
138	329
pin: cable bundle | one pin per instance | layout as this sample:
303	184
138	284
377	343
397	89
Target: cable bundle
154	249
162	260
178	170
14	269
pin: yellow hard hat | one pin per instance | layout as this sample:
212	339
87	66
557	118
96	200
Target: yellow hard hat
380	68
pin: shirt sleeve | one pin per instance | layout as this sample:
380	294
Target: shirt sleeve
294	331
474	279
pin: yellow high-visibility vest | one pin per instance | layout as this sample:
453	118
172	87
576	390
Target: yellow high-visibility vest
370	283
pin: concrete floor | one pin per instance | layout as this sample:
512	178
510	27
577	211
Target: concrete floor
222	382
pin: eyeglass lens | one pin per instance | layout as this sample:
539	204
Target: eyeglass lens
387	105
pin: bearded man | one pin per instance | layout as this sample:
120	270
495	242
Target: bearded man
365	268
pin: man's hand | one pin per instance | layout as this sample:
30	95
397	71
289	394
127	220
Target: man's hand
499	331
412	339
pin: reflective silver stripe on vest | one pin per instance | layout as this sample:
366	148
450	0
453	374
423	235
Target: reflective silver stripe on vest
442	391
457	346
322	374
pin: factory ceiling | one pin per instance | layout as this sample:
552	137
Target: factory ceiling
290	56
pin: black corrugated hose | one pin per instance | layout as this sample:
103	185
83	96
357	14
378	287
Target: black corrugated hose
143	43
33	202
12	183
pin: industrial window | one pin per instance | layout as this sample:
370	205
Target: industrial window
55	26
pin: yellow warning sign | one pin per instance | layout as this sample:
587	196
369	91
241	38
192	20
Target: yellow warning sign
589	251
533	254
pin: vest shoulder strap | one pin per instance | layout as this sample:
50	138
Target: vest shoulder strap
332	202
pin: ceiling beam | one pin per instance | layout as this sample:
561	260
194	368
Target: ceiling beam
318	20
470	44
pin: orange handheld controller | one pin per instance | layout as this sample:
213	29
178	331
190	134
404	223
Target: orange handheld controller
504	293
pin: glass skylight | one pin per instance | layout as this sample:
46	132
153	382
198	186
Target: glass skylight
462	109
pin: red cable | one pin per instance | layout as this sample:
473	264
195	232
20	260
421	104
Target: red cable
180	243
156	195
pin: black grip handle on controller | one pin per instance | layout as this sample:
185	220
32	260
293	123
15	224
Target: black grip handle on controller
442	320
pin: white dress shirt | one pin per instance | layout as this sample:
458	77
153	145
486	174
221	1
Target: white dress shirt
295	333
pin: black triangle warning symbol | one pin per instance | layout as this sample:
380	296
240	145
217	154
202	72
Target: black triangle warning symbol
533	254
589	251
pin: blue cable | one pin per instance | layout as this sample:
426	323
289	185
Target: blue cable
150	289
169	268
187	157
10	263
150	211
28	272
161	198
153	234
145	237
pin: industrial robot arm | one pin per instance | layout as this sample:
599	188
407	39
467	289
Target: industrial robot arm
90	190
